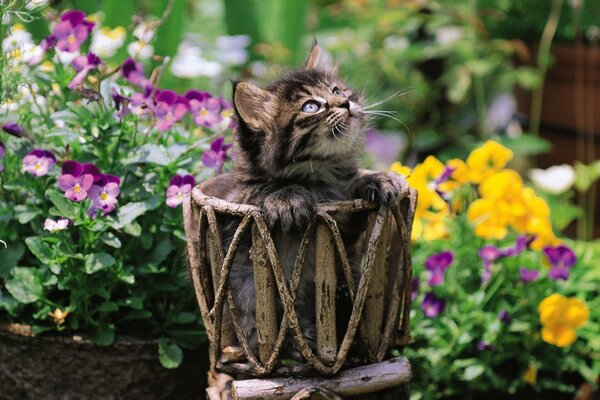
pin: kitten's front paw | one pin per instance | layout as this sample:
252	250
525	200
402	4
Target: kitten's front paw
289	208
383	188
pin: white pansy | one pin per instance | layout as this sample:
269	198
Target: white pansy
140	50
188	63
8	105
106	41
32	54
556	179
55	226
18	37
33	4
64	57
144	33
232	49
446	35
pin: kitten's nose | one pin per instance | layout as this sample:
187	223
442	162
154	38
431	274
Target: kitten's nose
341	102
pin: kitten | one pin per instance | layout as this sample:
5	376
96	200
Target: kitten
298	143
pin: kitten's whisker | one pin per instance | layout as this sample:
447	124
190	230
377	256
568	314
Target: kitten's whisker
397	94
384	114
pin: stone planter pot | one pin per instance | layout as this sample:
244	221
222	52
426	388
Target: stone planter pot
64	368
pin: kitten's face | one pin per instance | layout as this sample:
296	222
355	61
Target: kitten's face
306	115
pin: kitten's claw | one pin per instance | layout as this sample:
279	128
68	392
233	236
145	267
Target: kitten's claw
382	188
288	208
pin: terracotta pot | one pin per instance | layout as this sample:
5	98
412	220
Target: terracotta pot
62	368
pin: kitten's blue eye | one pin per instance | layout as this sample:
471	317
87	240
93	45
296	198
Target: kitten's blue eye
311	107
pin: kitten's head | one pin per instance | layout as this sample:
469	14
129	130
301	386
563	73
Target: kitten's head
306	116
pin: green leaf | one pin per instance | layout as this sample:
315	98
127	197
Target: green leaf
128	213
25	214
10	255
65	207
108	306
149	154
161	251
40	249
185	317
112	240
103	336
586	175
98	261
25	285
473	371
169	353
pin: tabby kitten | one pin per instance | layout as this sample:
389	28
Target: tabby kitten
298	143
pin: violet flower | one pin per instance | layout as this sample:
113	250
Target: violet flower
432	305
528	275
414	284
521	244
72	30
179	187
38	162
55	226
437	264
83	65
77	179
120	103
142	103
483	345
205	109
562	258
103	194
134	73
504	316
1	156
170	108
383	149
12	128
216	156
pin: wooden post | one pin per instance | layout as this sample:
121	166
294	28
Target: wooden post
264	284
325	287
373	312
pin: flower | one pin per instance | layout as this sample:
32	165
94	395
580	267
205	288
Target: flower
77	179
414	284
437	264
103	194
140	50
504	316
188	63
530	375
120	103
59	316
55	226
383	149
521	244
106	41
561	259
528	275
169	108
72	30
179	187
33	4
400	169
38	162
486	160
134	73
144	32
217	154
205	109
483	345
432	305
83	65
556	179
232	49
12	128
1	156
16	40
560	316
142	103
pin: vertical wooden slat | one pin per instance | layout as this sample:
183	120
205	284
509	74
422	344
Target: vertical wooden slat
264	284
325	288
372	319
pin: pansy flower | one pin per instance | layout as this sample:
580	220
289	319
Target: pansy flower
432	305
38	162
205	109
179	187
560	316
77	179
561	259
437	264
134	73
216	156
170	108
12	128
142	103
504	316
72	30
528	275
121	103
55	226
83	65
414	286
1	156
104	193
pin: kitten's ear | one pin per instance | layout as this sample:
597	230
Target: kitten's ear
254	105
319	59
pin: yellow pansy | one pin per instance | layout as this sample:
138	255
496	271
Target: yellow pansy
486	160
560	316
461	171
400	169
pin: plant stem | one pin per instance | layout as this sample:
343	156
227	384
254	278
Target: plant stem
543	60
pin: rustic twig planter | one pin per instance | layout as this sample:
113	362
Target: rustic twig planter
380	301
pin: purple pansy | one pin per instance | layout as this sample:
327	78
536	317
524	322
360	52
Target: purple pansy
521	244
437	264
383	149
432	305
414	285
170	108
134	73
179	187
1	156
83	65
70	32
562	258
205	108
120	103
77	179
142	103
104	193
483	345
528	275
504	316
12	128
38	162
216	156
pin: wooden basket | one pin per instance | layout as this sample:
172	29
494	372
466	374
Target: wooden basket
380	301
